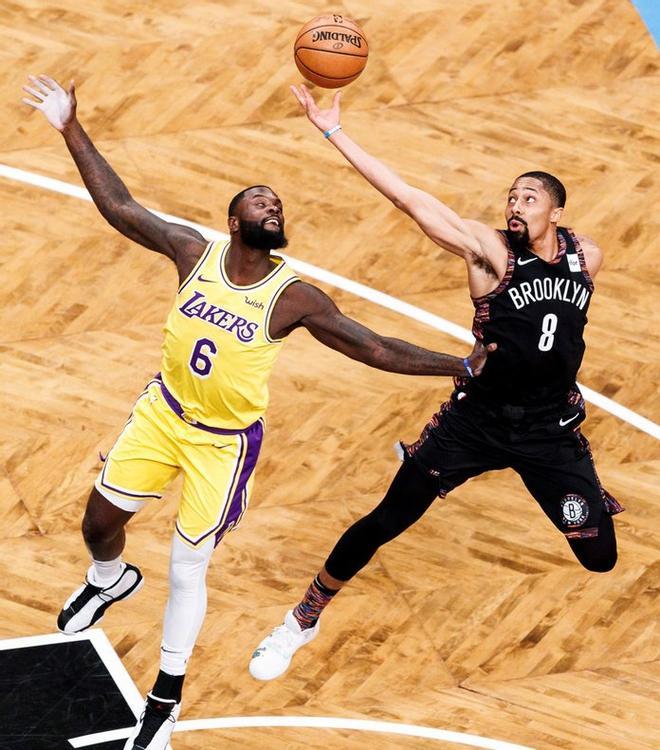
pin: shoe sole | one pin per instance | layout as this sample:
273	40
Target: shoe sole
103	609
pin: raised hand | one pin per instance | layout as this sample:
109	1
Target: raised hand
58	105
324	119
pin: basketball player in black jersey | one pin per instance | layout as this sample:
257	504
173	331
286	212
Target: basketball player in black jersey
531	285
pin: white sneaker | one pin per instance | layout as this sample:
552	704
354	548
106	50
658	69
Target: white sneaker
155	727
87	605
273	655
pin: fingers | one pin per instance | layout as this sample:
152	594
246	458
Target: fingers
36	94
31	103
298	96
492	347
50	82
40	84
309	99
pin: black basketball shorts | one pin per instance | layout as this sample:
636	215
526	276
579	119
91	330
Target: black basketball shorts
466	438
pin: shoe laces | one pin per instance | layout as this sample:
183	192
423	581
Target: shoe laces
283	640
152	720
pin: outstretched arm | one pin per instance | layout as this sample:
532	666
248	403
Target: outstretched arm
304	305
180	243
477	243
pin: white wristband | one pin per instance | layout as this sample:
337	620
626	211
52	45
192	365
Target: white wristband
334	129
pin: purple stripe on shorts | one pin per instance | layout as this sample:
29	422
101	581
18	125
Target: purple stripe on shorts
254	437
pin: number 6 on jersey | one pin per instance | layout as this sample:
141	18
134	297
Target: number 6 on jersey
200	362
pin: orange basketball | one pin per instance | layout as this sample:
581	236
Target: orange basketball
331	51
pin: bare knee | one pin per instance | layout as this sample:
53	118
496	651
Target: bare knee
102	521
95	532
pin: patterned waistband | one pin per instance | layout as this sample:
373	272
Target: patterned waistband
176	407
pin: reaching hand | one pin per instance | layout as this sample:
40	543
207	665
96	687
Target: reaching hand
58	105
478	356
324	119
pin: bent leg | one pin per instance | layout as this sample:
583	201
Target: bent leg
565	484
103	527
138	466
449	451
108	579
598	553
408	498
446	455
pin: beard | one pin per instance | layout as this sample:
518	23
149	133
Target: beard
254	234
518	240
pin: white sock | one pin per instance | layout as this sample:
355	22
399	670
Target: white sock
186	605
106	572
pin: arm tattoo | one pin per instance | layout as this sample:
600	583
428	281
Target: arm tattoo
125	214
393	355
104	185
319	314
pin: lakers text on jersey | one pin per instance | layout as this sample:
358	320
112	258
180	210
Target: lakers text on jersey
217	353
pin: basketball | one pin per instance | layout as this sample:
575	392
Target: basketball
331	51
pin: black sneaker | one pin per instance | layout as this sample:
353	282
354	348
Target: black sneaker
88	604
156	725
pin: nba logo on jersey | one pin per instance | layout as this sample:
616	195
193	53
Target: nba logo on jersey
573	262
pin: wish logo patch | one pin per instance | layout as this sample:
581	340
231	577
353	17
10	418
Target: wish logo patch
574	510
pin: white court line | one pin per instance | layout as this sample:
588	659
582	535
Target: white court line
117	670
315	722
9	644
340	282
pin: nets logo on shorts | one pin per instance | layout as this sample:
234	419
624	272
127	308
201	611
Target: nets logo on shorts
574	510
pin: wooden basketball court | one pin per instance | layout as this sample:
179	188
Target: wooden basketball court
477	620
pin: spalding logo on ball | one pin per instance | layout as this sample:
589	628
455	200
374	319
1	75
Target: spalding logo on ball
331	51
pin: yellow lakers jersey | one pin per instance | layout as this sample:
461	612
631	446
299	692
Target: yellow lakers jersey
217	354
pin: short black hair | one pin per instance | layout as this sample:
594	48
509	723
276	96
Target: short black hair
554	186
239	197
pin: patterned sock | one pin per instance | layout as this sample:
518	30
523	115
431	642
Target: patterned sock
316	598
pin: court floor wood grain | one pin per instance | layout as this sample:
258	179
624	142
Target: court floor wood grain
476	620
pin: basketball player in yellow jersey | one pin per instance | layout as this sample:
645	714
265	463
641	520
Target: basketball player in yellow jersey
202	414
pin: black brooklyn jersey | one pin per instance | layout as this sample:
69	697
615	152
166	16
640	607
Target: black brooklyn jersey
536	316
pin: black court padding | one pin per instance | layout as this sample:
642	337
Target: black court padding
51	693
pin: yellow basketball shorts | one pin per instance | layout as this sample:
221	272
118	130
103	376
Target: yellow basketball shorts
156	444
